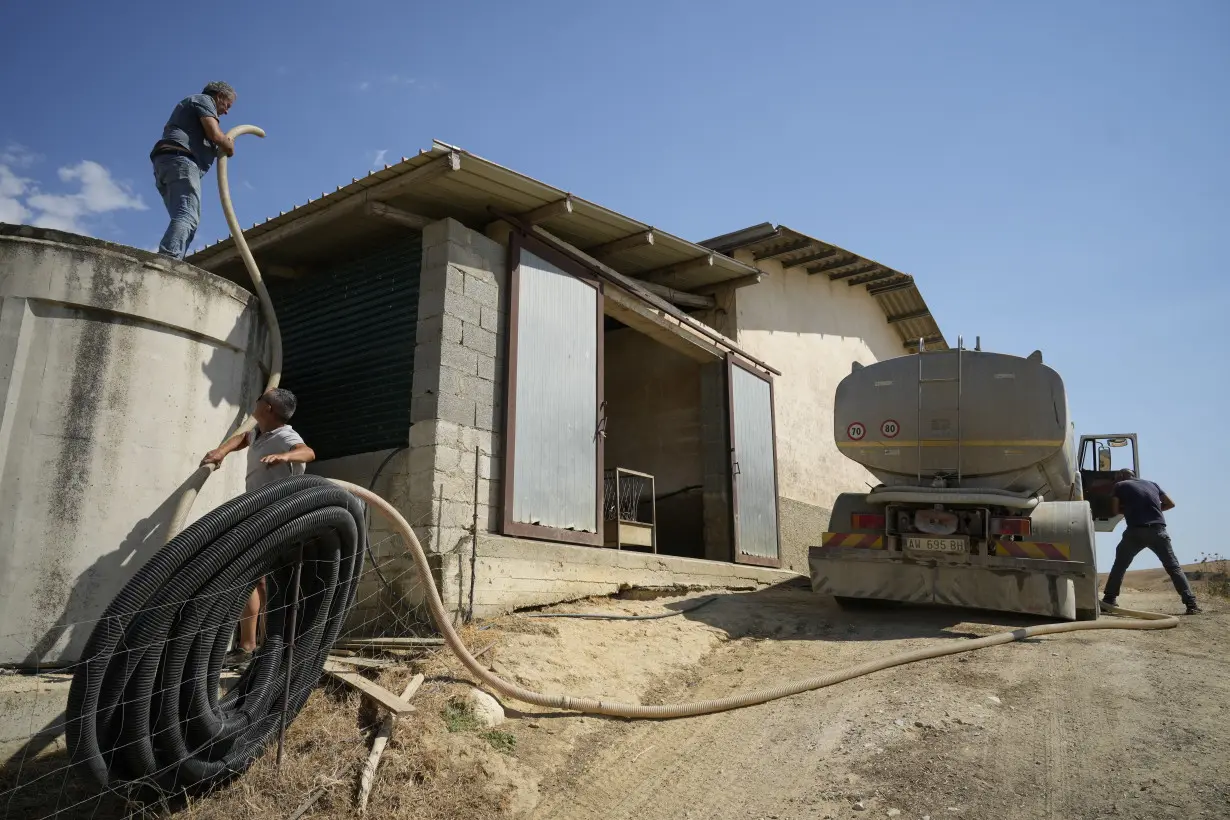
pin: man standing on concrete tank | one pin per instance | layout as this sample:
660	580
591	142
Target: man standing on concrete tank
1142	504
275	451
190	141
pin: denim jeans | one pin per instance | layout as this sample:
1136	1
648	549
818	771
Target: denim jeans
1156	539
179	182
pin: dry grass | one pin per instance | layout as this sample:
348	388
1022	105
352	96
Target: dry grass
427	772
1213	575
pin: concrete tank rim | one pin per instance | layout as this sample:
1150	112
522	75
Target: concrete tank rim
18	233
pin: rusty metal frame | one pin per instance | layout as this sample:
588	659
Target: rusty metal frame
732	362
517	241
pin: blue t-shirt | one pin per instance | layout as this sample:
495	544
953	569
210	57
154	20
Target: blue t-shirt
1141	502
184	129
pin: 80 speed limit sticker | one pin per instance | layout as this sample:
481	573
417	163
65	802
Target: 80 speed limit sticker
856	430
890	428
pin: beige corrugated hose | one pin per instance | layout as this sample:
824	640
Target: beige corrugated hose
1140	620
197	481
1144	620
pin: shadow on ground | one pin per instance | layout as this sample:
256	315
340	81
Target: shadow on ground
48	786
789	612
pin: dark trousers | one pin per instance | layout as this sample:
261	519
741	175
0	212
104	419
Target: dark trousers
1157	539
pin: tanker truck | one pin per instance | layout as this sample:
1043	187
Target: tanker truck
985	498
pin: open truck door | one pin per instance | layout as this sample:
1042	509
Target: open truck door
1100	457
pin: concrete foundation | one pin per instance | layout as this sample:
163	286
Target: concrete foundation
31	715
512	573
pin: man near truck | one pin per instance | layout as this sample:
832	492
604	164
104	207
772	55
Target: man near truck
1142	504
191	139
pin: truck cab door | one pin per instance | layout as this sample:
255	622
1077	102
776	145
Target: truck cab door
1100	457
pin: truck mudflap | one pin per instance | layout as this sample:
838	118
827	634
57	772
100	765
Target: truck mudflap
1038	586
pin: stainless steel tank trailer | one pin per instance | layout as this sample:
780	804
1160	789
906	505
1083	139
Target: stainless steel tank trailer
986	498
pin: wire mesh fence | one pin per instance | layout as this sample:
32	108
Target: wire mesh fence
169	728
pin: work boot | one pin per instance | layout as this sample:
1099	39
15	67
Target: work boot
1193	609
237	657
1109	602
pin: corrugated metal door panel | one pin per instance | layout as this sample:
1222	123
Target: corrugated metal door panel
555	467
756	472
348	334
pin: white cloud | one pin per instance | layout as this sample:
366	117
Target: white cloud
363	86
378	162
21	200
11	188
15	155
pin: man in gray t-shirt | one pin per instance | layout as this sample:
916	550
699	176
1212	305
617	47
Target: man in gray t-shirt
191	139
275	451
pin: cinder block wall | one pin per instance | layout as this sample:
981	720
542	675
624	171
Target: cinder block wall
373	600
453	478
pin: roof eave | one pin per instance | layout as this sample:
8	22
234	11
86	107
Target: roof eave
667	249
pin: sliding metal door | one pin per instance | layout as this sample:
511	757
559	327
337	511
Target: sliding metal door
553	466
753	466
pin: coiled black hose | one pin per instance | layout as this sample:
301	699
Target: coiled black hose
144	706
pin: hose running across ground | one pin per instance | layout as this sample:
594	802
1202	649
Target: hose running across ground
1141	620
138	714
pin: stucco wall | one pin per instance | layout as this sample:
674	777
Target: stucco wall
811	329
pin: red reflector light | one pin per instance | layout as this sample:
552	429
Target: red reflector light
867	521
1010	526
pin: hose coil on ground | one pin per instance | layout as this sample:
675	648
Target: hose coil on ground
144	705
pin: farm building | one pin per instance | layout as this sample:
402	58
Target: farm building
561	399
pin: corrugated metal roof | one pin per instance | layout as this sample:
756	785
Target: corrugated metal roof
896	292
468	194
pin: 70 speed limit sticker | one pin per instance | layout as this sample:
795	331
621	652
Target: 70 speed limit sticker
856	430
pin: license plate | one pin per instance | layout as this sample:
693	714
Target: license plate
936	544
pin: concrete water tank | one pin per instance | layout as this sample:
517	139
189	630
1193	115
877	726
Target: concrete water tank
119	369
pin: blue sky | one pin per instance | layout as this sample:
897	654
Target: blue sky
1055	174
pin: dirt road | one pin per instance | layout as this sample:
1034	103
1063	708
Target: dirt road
1096	725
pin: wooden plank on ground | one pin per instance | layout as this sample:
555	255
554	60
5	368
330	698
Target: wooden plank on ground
375	691
368	775
398	643
366	663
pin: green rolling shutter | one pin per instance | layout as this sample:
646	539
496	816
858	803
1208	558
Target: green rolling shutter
348	335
